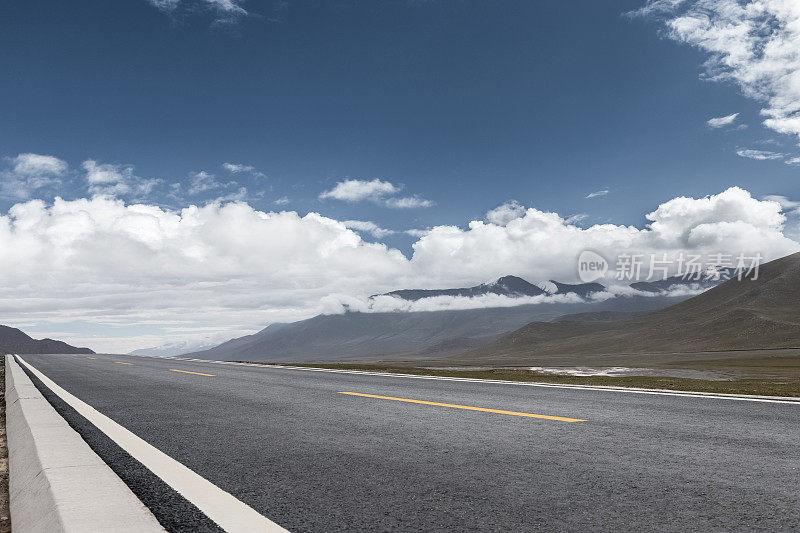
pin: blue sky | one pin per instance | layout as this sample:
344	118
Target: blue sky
455	107
467	104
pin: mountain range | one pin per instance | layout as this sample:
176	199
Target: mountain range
419	334
13	340
511	286
172	349
412	335
748	314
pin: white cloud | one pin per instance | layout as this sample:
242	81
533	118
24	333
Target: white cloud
368	227
793	161
352	190
37	165
202	181
237	168
505	213
754	44
761	155
576	218
231	267
340	303
221	265
116	180
408	202
719	122
227	11
227	6
542	245
239	195
28	173
596	194
283	200
165	5
784	202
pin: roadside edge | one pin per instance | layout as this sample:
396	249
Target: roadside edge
56	481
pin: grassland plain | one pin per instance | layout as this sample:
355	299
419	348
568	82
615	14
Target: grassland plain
767	386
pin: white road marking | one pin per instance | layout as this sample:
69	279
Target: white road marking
229	513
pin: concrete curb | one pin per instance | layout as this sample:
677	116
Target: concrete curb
56	481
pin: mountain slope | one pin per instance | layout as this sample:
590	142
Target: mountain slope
736	315
396	335
13	340
704	282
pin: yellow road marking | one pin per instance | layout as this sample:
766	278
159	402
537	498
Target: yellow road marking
500	411
91	357
196	373
121	363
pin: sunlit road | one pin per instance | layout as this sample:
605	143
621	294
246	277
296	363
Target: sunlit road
326	451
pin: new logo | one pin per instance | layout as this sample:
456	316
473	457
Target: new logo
591	266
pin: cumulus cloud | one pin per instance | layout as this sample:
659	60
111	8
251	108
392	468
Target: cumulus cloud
37	165
116	180
505	213
543	245
791	209
29	172
596	194
719	122
353	190
108	262
755	44
232	267
761	155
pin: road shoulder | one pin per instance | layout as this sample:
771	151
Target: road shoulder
56	481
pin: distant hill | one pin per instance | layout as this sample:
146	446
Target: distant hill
433	334
506	286
13	340
736	315
171	349
706	281
581	289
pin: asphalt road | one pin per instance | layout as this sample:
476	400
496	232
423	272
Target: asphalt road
290	445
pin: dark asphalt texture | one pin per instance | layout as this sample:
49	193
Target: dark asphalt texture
172	510
287	444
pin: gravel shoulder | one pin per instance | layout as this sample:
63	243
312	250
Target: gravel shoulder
5	515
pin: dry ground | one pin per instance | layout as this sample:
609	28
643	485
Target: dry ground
5	515
787	385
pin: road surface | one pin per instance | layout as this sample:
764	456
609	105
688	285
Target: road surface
291	445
